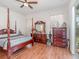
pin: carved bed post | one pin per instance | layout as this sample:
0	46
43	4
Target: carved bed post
32	32
15	27
8	32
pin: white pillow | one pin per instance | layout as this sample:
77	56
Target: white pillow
5	35
13	34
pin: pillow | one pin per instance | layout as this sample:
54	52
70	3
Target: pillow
14	35
5	35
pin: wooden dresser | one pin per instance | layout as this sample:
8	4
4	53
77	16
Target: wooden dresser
40	33
40	38
60	36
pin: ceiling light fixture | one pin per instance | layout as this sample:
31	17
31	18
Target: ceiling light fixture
25	4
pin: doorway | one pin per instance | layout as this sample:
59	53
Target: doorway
77	27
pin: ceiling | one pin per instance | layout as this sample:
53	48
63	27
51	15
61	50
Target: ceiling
41	6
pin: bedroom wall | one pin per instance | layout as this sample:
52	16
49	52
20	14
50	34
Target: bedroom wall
46	16
14	16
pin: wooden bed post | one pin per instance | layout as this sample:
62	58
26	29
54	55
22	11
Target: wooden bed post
8	32
32	32
15	27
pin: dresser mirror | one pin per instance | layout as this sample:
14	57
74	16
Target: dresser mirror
40	26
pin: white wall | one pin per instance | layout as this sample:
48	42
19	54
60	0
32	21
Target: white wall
46	17
14	16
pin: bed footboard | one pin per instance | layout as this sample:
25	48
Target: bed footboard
17	47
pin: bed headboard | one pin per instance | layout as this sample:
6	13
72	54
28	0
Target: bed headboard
4	31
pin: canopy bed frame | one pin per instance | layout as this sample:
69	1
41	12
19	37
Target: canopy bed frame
9	31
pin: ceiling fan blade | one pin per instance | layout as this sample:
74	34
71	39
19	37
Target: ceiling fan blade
20	1
25	0
32	2
22	6
30	6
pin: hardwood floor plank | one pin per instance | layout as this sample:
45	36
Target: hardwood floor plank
40	51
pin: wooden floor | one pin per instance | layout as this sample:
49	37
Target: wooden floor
39	51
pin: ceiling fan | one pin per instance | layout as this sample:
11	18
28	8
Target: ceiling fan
26	3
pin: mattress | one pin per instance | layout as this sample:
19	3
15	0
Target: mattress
14	41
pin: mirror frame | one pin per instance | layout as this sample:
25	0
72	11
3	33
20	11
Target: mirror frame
41	23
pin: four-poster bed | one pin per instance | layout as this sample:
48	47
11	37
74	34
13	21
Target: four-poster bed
10	42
